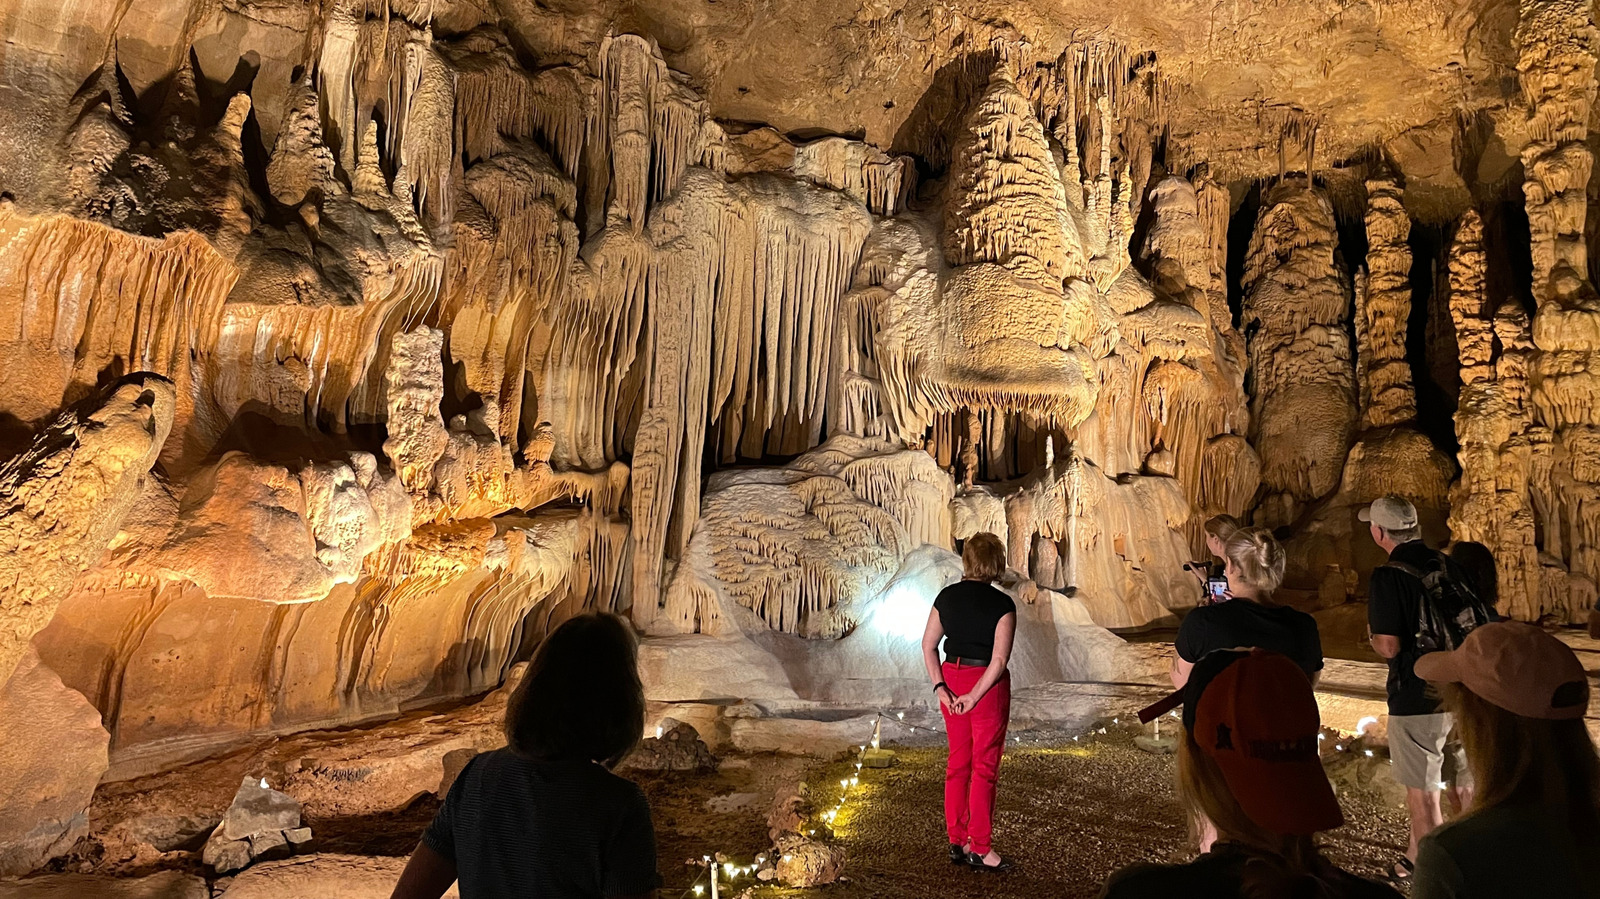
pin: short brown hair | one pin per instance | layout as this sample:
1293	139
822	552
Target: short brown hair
983	557
581	699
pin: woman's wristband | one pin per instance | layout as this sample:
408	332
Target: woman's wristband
940	684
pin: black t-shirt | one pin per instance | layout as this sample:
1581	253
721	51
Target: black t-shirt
1394	603
1510	851
969	611
522	829
1242	623
1217	875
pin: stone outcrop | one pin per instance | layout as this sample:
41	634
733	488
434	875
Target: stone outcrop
64	498
675	747
54	753
320	876
260	825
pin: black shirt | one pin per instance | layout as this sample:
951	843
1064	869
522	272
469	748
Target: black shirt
969	611
1394	603
1509	852
1242	623
519	828
1218	875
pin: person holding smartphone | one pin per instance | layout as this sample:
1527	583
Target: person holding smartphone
1253	564
1219	530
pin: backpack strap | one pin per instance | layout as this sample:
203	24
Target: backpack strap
1408	568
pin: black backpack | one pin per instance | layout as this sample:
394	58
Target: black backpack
1452	609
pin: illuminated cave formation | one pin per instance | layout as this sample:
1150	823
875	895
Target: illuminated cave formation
350	347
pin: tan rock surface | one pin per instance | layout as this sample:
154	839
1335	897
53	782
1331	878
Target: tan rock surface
53	753
63	500
478	315
320	877
162	885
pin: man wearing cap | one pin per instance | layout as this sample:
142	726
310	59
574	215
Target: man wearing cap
1419	728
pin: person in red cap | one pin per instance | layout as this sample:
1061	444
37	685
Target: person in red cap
1519	696
1249	763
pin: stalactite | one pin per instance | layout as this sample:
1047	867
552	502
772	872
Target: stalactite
507	269
78	299
1214	209
1558	46
301	162
1012	207
426	151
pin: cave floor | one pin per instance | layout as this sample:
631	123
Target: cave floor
1069	814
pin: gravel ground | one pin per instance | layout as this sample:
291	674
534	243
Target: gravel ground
1069	815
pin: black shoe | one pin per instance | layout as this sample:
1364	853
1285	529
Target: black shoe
958	854
976	861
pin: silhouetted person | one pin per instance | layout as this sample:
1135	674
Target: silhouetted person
1249	762
545	817
1478	562
976	622
1419	597
1519	696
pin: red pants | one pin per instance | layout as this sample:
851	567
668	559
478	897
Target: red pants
976	741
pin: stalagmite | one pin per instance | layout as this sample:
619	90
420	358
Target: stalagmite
415	385
1383	302
65	497
1297	304
1558	45
1490	503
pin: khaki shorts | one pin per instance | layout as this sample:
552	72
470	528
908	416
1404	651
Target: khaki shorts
1424	756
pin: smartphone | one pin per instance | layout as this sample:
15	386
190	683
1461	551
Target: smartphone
1217	588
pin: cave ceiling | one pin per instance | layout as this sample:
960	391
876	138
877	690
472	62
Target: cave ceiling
1231	78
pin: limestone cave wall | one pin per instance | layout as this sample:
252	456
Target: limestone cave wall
347	348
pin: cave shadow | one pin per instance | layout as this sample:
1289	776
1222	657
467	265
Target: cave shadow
270	435
925	135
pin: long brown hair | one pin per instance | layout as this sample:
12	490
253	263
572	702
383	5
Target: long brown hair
581	699
1529	760
1277	866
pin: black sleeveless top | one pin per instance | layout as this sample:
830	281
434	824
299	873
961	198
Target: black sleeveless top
969	611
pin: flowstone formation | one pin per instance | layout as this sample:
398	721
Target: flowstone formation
349	348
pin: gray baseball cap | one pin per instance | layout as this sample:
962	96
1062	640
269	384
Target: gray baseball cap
1390	513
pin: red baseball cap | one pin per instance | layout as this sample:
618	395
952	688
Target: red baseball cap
1255	713
1517	667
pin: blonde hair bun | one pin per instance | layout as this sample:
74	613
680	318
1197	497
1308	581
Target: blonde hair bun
1257	556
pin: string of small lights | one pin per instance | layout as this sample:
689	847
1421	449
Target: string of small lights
849	785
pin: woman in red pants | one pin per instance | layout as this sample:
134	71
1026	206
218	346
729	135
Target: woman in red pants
976	622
